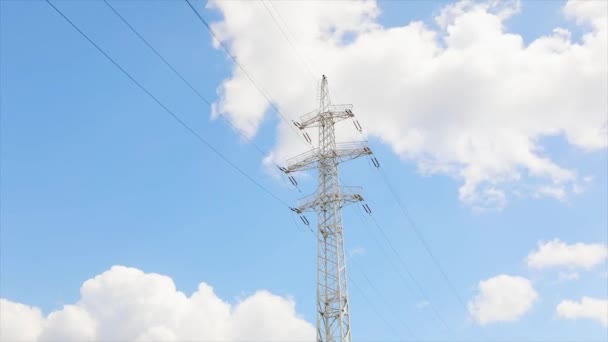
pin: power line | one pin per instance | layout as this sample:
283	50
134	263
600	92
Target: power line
302	59
352	281
409	273
233	57
421	237
240	132
261	151
171	113
419	288
386	302
390	260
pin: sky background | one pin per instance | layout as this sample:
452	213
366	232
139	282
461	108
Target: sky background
95	174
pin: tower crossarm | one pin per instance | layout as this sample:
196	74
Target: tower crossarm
345	196
305	161
350	150
315	118
343	152
353	195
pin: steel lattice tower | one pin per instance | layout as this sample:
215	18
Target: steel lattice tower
333	317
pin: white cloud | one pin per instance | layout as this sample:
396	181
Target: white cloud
502	298
467	99
556	253
128	304
19	322
590	308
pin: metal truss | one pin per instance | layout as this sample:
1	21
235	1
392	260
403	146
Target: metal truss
333	314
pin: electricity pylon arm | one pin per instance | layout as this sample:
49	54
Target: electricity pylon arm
347	195
342	153
305	161
351	150
313	119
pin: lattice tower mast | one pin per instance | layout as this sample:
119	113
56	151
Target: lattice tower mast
333	316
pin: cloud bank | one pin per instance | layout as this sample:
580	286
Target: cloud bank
126	304
463	97
502	298
556	253
587	308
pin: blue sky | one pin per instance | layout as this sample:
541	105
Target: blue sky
95	174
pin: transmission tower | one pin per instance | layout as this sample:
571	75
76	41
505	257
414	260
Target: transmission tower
333	317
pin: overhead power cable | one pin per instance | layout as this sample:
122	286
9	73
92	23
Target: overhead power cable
421	237
302	59
236	129
379	294
169	111
419	288
233	57
260	150
371	304
409	273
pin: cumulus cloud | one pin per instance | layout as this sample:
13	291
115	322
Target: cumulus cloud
502	298
463	97
589	308
126	304
557	253
19	322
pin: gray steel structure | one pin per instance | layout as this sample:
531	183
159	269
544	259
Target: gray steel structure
333	316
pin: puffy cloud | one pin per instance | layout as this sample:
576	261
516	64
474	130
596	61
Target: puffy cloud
467	98
127	304
556	253
586	12
502	298
590	308
19	322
